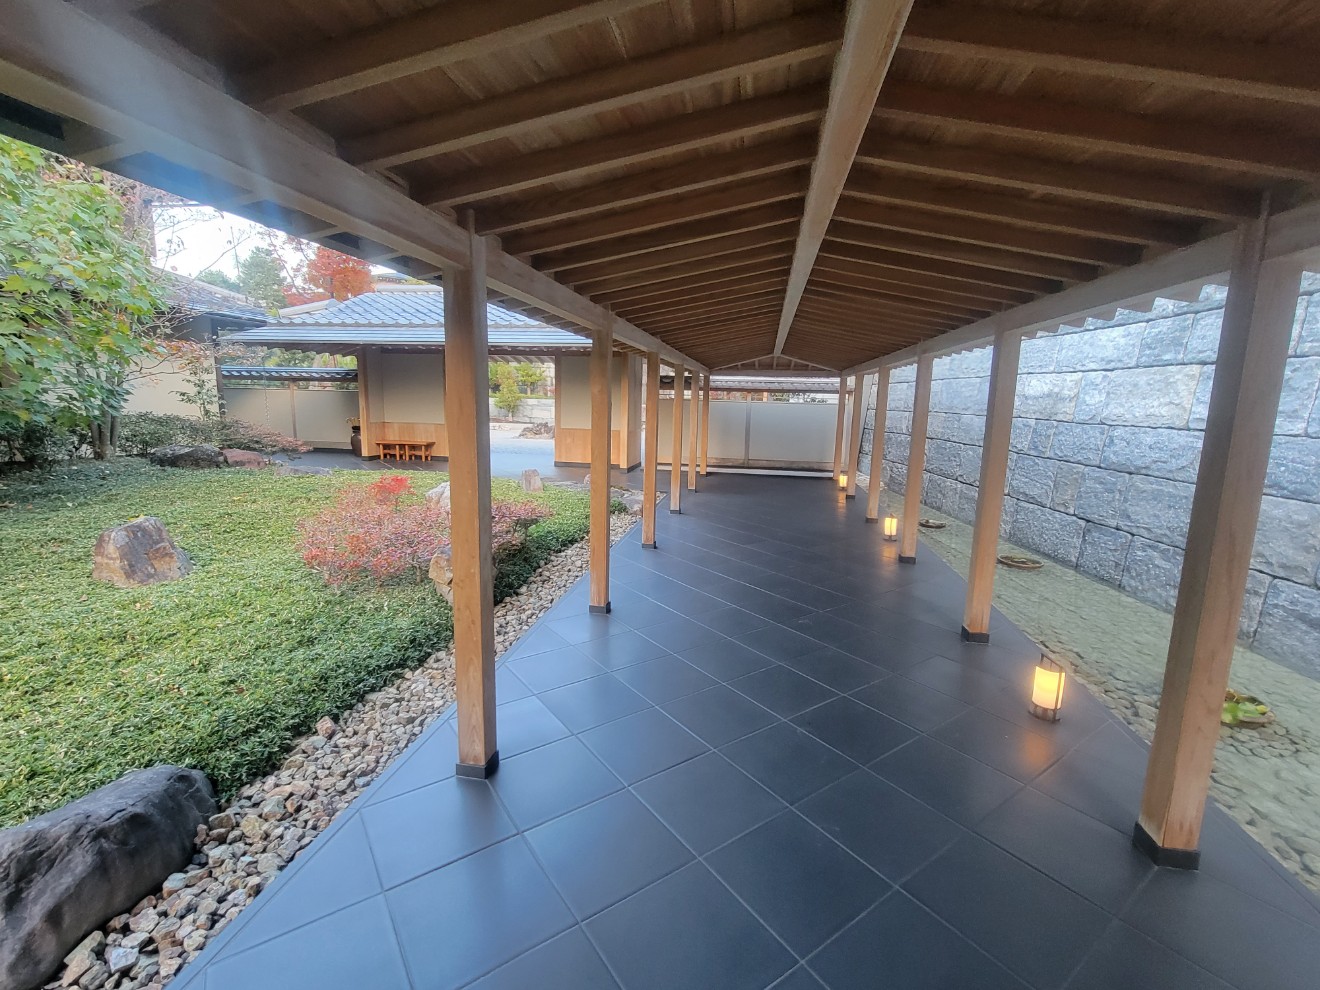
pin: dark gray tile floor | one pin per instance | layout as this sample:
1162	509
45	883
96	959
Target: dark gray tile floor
775	764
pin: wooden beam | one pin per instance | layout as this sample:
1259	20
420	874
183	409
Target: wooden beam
668	212
978	277
467	419
455	32
1118	51
655	241
705	422
715	254
828	286
751	291
709	285
676	444
856	313
928	246
990	233
1253	349
839	420
650	456
601	438
700	173
694	432
1139	190
720	125
559	101
990	495
1095	221
855	435
916	463
1276	153
669	325
876	480
917	285
870	37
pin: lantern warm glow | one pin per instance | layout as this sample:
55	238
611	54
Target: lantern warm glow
843	479
1047	690
891	527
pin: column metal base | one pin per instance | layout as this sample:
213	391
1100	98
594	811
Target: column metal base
902	559
476	771
599	609
648	546
853	495
873	520
974	637
1177	859
674	512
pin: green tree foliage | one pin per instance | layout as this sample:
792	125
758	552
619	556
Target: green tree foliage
504	387
529	376
220	280
261	278
78	297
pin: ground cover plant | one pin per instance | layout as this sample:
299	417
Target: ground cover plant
220	670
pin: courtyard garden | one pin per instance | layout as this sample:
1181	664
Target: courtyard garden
223	669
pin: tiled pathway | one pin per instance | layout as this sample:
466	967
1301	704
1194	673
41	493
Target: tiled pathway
774	765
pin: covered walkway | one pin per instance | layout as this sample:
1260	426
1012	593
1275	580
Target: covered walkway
774	763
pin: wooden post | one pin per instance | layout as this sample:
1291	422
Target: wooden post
916	466
293	409
877	445
650	455
855	436
838	428
676	458
694	431
1253	349
467	418
990	495
367	430
601	441
705	422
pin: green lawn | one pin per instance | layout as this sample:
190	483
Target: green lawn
220	670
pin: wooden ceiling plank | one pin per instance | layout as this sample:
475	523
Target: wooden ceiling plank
1085	182
429	39
693	286
741	164
913	284
654	241
870	38
668	212
754	287
1117	51
718	252
972	274
854	309
973	254
700	270
991	233
873	186
823	284
677	70
685	132
1276	153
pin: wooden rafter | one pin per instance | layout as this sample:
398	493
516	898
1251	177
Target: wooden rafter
971	273
716	254
870	37
918	285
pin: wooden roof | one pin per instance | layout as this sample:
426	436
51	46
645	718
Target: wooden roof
748	180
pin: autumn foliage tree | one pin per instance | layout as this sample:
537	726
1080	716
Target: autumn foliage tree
339	276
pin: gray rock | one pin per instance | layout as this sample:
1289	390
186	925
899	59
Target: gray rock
292	471
441	571
959	395
901	393
138	553
67	872
239	458
1258	585
1301	379
1172	454
1203	342
439	495
1038	354
1288	540
1306	340
121	959
1055	534
1151	573
1294	470
531	480
1165	340
1067	483
1019	437
1080	443
1290	626
1100	494
1103	553
1201	400
1032	479
1049	396
186	455
1091	397
1100	349
943	458
1156	509
1150	396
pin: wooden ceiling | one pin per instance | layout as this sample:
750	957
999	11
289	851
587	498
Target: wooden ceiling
690	163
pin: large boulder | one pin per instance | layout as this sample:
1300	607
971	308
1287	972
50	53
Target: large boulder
441	572
138	553
291	471
187	455
439	495
66	873
531	480
239	458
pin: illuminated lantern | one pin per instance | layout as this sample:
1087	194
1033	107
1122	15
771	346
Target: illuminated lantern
1047	690
891	527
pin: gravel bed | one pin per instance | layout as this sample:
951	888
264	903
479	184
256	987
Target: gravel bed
271	821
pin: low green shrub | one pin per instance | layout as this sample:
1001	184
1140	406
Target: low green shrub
143	432
37	444
220	670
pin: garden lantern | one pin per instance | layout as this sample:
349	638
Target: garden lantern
891	527
843	480
1047	690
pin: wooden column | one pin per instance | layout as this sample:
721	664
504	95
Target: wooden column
1253	348
676	458
877	445
838	428
651	448
602	437
705	422
467	420
916	465
694	427
990	494
365	431
855	436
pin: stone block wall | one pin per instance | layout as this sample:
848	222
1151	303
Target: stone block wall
1106	441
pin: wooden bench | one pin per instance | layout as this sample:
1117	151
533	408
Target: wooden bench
405	450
